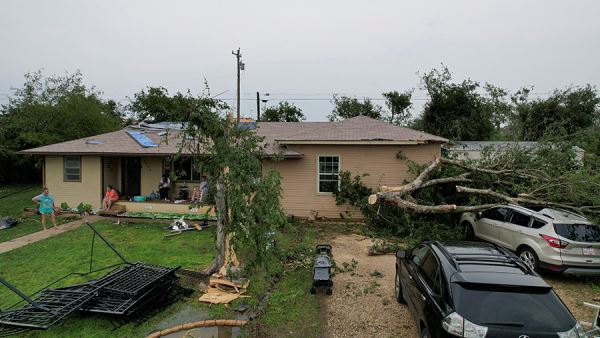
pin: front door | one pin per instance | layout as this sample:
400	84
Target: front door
132	172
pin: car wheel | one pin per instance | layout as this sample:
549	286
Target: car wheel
425	333
469	232
398	289
529	257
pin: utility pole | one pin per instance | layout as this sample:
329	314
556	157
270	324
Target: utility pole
238	55
257	106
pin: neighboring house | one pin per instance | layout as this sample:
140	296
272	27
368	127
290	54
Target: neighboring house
473	150
313	154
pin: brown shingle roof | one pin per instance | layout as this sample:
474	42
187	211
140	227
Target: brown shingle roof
355	129
360	128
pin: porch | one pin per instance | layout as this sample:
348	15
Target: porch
140	175
184	208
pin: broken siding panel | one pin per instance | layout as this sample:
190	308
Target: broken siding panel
89	190
299	176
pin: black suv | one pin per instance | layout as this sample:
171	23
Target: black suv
469	289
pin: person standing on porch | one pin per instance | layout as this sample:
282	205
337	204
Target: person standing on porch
110	197
45	201
163	187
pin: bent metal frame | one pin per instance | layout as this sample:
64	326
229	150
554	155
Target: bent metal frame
128	289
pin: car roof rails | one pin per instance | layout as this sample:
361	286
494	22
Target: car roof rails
447	253
504	258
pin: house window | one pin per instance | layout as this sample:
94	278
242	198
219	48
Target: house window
185	168
72	169
329	169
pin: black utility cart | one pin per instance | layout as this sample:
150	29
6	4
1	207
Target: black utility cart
322	269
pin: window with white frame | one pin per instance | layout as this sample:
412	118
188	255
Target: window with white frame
328	176
72	169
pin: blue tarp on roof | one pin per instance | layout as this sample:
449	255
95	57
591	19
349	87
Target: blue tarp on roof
142	139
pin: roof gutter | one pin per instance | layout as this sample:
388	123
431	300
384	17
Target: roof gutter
360	142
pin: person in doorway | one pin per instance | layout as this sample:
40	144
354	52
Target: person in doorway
111	196
163	187
45	202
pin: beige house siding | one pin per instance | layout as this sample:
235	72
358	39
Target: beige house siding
151	173
87	191
299	176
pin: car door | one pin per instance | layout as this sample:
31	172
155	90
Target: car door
408	278
431	294
511	233
487	225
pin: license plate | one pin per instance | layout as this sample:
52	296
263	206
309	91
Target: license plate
588	251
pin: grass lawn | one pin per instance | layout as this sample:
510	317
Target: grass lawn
34	266
12	201
290	309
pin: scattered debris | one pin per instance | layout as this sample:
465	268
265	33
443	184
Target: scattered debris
377	274
127	290
223	290
381	247
7	222
168	215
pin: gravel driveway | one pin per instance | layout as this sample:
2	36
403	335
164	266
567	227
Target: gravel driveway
363	303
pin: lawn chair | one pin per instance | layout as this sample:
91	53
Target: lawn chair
595	324
322	269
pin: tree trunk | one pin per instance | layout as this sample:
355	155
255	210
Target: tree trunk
222	221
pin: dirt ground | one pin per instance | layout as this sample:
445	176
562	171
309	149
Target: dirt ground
363	303
574	291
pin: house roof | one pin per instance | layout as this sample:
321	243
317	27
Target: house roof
360	129
356	129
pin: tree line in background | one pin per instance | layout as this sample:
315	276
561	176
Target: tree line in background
58	108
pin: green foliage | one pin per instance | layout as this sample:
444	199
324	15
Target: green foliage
252	209
49	110
346	107
399	106
284	112
157	105
458	111
389	219
565	112
84	207
64	206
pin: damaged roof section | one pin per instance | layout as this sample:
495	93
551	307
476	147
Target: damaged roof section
164	138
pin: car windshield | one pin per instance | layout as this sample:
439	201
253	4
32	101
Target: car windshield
578	232
523	307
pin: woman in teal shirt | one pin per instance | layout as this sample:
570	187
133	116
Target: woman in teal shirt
46	203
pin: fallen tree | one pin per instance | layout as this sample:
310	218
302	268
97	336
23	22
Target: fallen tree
429	205
402	196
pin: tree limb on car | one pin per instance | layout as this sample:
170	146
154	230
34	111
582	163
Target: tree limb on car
402	196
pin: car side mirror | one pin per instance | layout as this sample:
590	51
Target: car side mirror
478	215
400	254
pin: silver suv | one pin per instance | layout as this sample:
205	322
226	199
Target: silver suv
545	238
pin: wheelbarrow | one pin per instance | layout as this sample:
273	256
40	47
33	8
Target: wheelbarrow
322	269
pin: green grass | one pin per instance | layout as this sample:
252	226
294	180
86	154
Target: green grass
290	309
13	199
34	266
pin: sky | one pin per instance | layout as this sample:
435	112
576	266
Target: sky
300	51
